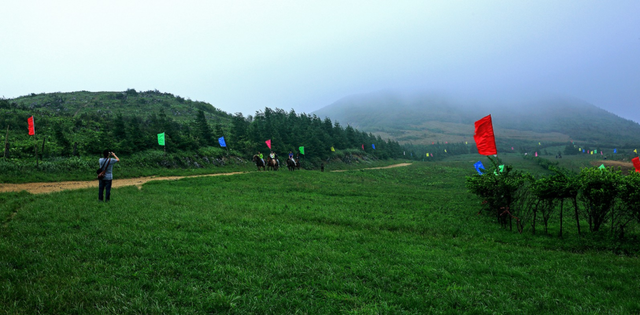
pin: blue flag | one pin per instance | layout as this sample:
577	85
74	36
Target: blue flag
373	146
222	143
583	151
479	167
615	150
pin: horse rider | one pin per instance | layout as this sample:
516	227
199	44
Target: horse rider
274	156
261	158
291	157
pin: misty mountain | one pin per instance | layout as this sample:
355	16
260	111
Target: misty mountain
422	118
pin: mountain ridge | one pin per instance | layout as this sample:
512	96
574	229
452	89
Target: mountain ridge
423	118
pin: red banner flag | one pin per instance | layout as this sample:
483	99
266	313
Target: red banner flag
636	163
363	147
268	142
484	137
32	126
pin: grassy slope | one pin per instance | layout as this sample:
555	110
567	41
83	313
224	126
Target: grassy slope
404	240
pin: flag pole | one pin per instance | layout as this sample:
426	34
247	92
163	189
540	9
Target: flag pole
35	147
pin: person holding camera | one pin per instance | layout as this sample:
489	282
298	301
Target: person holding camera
106	164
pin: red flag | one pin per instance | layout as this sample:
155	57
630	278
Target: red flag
32	126
636	163
363	147
268	142
485	140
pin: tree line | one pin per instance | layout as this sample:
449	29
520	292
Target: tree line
59	135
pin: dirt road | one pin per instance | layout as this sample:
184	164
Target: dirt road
44	188
380	168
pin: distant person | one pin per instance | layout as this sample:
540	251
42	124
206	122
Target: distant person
105	183
321	167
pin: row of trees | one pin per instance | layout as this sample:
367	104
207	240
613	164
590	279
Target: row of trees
604	197
90	133
288	131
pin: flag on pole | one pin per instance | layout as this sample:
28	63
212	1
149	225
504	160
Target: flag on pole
484	137
445	150
601	166
373	146
222	143
479	167
636	163
161	138
301	150
333	150
591	153
446	142
539	143
615	150
636	150
580	149
536	154
595	151
466	142
32	126
268	142
427	154
363	147
511	148
601	153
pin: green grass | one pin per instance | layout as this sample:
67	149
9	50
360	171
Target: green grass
402	240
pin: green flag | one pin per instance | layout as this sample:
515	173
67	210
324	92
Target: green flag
601	166
301	150
161	138
501	168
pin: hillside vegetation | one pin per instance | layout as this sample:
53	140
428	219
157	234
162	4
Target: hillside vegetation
72	129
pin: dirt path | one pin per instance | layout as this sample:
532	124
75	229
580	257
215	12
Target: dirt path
45	188
380	168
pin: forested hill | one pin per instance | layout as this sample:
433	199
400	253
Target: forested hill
85	123
424	118
128	103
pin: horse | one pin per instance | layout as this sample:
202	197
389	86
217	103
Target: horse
259	162
272	164
298	163
291	165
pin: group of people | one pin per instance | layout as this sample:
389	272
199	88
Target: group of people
109	159
274	156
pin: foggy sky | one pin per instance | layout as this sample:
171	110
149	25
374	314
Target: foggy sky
242	56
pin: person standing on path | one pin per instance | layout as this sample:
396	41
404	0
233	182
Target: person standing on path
105	183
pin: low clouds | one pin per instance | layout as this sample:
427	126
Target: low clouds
243	56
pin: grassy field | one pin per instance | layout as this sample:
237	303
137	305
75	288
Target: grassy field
403	240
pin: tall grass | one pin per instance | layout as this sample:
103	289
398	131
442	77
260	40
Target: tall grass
404	240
